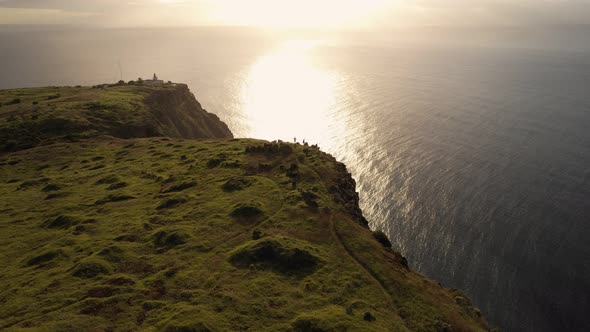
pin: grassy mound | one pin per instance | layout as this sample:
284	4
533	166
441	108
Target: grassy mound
279	254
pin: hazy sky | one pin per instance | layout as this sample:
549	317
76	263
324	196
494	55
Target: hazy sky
296	13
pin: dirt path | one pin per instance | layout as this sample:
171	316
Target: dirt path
360	263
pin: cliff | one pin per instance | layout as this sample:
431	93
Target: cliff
36	116
166	234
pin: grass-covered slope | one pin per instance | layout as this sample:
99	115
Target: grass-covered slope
34	116
159	234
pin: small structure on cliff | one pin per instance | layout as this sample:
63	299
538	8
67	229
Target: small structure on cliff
154	81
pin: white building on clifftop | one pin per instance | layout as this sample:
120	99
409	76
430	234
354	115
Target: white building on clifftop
154	81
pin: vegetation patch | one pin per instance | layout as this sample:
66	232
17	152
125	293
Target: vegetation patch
236	184
114	198
108	180
278	254
91	268
212	163
170	239
112	254
32	183
117	185
45	257
171	203
246	211
180	187
51	187
62	222
382	238
56	195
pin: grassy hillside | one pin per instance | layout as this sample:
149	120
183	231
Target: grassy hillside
34	116
160	234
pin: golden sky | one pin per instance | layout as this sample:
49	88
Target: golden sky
298	14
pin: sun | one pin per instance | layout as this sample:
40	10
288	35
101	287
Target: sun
297	14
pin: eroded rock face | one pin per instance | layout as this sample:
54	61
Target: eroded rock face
179	114
344	193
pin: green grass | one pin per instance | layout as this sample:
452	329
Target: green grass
159	234
52	114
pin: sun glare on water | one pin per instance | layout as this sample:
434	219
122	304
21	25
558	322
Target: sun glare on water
285	95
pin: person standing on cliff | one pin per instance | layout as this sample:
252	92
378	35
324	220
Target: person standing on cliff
294	139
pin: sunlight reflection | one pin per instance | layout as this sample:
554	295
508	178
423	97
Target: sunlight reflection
285	95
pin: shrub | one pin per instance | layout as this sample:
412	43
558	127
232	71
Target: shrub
170	239
113	198
212	163
117	185
107	180
14	101
51	187
180	187
90	268
382	238
246	211
44	257
236	184
62	221
275	255
170	203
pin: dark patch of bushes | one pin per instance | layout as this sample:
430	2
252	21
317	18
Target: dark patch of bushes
212	163
114	198
56	195
171	203
180	187
369	317
127	238
170	239
112	254
382	238
51	187
310	199
151	305
13	102
117	185
107	180
120	281
32	183
101	292
44	257
246	211
236	184
274	255
94	168
62	222
90	269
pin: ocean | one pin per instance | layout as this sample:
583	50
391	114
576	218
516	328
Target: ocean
471	152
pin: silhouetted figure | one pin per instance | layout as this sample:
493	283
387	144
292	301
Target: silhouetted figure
294	139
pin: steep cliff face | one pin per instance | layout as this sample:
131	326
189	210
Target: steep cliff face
180	115
30	117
